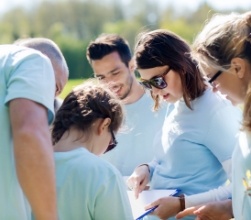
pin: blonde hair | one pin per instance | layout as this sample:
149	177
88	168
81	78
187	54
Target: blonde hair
223	38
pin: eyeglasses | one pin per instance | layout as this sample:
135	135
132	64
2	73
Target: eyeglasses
157	81
113	144
216	75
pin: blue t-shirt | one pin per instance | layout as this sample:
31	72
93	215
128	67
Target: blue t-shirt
242	178
89	188
24	73
135	140
194	143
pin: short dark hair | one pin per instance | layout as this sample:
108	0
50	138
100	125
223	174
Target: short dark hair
162	47
106	44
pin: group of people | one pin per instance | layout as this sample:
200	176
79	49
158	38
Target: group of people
195	140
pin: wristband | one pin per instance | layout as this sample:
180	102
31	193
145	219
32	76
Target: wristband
182	202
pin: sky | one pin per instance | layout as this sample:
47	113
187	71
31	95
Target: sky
5	5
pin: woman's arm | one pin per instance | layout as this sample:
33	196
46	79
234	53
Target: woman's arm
221	193
221	210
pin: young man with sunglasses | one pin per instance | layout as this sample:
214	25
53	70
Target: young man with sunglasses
110	57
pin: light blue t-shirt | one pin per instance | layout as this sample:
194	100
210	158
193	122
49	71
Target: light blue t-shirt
135	141
89	188
194	145
241	161
24	73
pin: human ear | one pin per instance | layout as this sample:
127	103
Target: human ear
132	65
239	66
103	125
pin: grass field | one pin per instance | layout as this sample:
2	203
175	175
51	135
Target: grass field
69	86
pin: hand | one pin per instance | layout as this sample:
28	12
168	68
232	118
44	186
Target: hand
138	180
167	207
221	210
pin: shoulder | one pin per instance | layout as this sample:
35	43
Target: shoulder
19	52
100	171
245	142
214	102
14	58
84	160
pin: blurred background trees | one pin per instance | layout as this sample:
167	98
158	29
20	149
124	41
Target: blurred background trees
73	24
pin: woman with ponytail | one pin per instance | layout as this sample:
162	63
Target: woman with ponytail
88	187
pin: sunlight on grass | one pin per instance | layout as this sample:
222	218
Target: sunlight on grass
69	86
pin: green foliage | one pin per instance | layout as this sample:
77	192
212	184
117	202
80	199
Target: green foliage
74	51
122	27
69	86
181	28
72	24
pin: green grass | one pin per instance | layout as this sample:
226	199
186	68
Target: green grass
69	86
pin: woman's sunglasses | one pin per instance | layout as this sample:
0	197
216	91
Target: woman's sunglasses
157	81
113	144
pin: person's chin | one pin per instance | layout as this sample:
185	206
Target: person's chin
116	90
120	95
168	98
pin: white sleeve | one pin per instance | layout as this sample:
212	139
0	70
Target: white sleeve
221	193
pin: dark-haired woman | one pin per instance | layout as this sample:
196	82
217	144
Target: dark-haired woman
88	188
198	135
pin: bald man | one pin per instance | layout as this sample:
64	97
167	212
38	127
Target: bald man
29	81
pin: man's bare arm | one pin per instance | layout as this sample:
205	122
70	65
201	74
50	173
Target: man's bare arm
34	156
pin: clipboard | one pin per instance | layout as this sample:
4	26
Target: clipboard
146	197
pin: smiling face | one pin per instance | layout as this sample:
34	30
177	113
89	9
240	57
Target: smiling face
111	70
173	91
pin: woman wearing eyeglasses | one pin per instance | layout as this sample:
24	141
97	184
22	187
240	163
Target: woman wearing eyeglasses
198	134
223	52
88	187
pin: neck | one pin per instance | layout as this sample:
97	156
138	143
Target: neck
71	140
137	91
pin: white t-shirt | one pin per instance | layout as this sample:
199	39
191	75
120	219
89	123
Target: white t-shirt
135	141
242	178
89	188
195	145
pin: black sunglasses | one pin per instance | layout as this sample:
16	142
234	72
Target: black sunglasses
216	75
157	81
113	144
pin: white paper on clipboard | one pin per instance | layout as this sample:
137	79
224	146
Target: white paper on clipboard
146	197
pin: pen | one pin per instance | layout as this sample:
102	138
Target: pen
146	213
177	191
